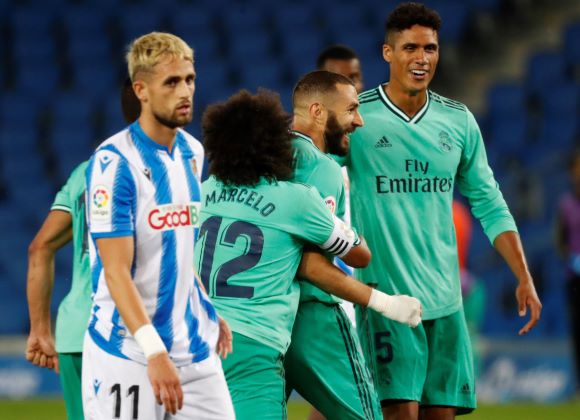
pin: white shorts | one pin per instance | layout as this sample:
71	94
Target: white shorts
115	388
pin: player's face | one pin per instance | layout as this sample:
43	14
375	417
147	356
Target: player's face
343	119
170	91
348	68
412	55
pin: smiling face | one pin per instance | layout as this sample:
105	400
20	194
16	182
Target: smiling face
412	55
343	119
166	93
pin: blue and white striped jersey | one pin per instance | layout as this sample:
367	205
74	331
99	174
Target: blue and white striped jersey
137	188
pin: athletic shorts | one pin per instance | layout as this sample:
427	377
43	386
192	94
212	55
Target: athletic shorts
431	364
325	364
255	376
70	365
116	388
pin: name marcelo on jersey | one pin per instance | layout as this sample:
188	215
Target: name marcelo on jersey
250	198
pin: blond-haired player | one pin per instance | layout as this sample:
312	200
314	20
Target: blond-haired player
153	333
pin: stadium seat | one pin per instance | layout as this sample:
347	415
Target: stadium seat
18	110
571	48
84	21
135	21
28	20
194	20
250	46
545	69
507	99
32	49
38	80
18	140
292	19
239	18
89	49
263	73
561	100
509	134
93	80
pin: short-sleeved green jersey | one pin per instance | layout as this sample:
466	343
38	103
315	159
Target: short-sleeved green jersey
249	248
312	167
402	172
74	310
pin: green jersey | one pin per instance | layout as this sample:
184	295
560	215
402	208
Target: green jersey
312	167
249	248
74	310
402	172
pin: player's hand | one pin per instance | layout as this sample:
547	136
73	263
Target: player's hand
401	308
40	351
224	344
165	381
526	296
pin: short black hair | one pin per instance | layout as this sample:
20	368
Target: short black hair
247	138
319	81
335	52
406	15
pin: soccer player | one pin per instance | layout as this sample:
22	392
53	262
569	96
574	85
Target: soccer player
342	60
254	224
403	165
65	222
153	333
325	112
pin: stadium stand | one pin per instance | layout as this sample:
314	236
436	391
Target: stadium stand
62	68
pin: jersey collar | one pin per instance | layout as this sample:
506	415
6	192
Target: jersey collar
398	111
139	135
302	135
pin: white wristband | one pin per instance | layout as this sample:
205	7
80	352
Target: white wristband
401	308
149	341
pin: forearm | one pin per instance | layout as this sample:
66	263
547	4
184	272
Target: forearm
321	272
39	285
126	298
509	246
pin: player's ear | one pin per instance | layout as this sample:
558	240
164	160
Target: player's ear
387	52
316	111
140	89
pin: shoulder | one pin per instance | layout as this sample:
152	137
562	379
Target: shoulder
447	105
369	96
79	172
193	143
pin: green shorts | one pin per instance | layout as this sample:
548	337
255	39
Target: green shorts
70	365
255	376
325	365
431	364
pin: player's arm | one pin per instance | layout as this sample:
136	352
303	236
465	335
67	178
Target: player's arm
225	339
117	257
476	181
508	244
359	256
55	232
316	268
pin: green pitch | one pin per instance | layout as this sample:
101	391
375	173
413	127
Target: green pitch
54	410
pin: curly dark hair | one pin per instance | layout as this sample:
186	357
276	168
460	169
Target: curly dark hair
247	138
406	15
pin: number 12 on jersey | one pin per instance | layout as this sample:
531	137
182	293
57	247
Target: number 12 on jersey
213	241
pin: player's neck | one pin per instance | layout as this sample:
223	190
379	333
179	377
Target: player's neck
317	137
159	133
408	102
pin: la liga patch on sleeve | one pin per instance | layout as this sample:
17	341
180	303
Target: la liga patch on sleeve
100	204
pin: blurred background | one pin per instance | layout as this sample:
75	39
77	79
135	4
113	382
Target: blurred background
514	63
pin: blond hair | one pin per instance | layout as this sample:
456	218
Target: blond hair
148	50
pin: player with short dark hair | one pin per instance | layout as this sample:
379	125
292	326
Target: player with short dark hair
403	165
254	226
342	60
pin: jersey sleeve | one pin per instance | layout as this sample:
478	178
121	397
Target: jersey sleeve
111	195
328	180
476	182
63	200
318	225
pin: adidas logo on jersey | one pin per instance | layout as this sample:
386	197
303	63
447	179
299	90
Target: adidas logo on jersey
383	142
465	388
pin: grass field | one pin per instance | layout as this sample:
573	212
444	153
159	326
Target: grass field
54	410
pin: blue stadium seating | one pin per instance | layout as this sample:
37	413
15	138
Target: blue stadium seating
545	69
